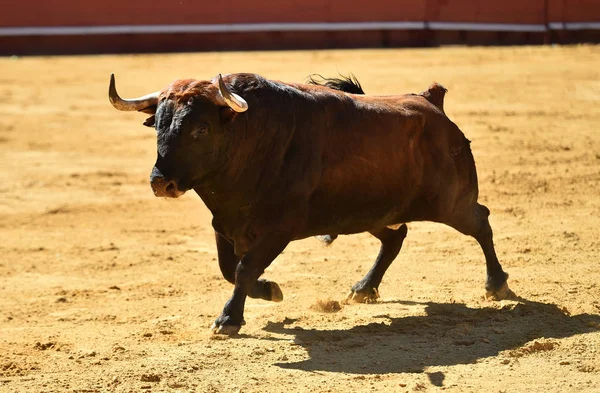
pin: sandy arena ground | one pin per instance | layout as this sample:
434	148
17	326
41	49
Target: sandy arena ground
105	288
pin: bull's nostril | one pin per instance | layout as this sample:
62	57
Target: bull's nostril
170	187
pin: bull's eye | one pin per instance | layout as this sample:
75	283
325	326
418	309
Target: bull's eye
198	132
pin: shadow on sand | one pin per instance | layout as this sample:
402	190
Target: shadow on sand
449	334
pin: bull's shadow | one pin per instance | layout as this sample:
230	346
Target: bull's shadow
449	334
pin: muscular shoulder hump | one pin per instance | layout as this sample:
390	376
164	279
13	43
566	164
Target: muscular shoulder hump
435	94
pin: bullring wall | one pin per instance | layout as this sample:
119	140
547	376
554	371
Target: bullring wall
76	26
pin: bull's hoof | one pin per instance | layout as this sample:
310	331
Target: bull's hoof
504	293
497	288
223	325
327	239
362	296
227	330
266	290
276	294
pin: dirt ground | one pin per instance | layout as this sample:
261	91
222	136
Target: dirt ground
105	288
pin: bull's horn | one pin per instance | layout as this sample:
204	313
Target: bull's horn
234	101
135	104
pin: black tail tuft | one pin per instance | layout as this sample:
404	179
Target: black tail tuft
347	84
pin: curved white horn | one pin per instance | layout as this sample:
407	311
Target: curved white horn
135	104
234	101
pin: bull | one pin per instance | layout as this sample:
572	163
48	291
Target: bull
276	162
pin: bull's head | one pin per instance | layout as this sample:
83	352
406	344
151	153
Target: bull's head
189	116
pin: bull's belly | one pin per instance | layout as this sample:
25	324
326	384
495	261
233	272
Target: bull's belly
356	215
345	222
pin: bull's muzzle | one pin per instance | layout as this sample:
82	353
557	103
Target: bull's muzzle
165	188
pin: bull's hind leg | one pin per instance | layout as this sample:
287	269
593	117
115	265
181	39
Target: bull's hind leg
475	223
228	261
366	290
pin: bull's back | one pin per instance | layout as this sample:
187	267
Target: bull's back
389	160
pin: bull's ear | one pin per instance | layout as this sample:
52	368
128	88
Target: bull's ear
227	114
149	122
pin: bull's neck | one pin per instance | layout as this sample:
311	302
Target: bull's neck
239	185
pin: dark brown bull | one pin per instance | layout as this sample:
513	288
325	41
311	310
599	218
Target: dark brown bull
276	162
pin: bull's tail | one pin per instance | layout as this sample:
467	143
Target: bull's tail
435	94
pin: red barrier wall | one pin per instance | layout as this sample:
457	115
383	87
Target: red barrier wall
138	12
65	13
143	12
482	11
575	10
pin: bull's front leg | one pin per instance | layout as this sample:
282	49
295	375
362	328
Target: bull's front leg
247	272
228	262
